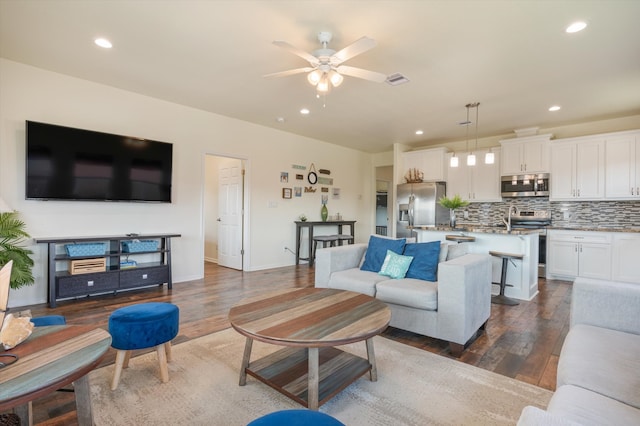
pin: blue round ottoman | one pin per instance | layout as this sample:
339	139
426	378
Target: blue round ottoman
141	326
296	418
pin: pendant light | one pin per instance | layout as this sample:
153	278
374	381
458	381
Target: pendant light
471	157
453	162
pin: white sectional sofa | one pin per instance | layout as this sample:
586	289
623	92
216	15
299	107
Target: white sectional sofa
453	308
598	381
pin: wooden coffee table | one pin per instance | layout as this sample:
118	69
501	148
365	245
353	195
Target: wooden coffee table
310	322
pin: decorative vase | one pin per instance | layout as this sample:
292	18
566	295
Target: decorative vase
452	218
324	213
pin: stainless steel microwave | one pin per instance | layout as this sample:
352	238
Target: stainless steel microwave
534	185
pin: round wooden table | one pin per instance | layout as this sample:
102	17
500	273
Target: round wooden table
310	322
51	358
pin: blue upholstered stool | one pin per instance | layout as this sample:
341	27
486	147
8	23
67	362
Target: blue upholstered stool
296	418
141	326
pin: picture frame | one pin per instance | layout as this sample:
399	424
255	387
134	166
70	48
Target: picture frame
286	192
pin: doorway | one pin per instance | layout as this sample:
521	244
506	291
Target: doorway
384	176
224	193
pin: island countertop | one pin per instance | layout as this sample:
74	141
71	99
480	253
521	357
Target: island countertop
498	229
482	229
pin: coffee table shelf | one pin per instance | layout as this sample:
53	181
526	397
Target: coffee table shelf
286	371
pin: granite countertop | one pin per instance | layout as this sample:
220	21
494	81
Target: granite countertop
501	229
478	228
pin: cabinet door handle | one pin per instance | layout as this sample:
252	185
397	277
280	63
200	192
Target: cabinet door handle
576	248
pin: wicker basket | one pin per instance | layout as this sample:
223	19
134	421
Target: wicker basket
86	249
139	246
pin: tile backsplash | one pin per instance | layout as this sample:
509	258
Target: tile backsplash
588	214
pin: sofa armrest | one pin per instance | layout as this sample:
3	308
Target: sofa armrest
334	259
464	296
608	304
533	416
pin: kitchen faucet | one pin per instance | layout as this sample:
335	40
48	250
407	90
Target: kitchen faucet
514	210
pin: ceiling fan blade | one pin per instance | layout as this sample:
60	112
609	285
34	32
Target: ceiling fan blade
304	55
361	73
289	72
359	46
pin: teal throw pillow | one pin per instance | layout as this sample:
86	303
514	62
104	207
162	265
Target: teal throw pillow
377	252
425	260
395	265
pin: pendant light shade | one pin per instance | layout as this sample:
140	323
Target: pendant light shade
471	159
489	158
453	162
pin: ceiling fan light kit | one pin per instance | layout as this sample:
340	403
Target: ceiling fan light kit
326	69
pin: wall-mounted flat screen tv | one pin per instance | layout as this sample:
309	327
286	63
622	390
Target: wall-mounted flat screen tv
65	163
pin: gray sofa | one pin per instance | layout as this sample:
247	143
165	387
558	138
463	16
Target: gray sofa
452	309
598	381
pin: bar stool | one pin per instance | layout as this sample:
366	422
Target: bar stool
460	238
506	257
332	240
344	237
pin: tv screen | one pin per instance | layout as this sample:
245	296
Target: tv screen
64	163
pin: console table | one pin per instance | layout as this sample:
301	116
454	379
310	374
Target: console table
154	267
310	225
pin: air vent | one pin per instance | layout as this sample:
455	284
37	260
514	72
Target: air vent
397	79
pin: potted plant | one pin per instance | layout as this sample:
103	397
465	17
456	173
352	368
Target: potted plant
452	204
12	237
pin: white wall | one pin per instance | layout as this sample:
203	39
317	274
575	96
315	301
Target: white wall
30	93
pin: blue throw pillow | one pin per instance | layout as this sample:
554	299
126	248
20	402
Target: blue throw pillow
377	251
425	260
395	265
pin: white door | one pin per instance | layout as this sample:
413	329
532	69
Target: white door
230	212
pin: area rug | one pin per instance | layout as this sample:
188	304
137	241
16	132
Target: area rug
414	387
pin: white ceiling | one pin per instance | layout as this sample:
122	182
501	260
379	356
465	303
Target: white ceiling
511	56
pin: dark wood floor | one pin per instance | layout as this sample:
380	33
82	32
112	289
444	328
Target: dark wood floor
522	342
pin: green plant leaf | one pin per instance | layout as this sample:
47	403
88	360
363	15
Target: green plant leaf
12	236
452	203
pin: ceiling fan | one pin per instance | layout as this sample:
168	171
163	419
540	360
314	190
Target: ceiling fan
326	65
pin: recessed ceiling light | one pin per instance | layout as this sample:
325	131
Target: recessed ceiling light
304	111
419	132
103	42
280	119
576	26
554	108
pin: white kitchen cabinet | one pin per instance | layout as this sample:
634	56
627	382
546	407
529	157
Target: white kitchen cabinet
479	183
525	155
626	254
572	254
622	166
577	169
431	162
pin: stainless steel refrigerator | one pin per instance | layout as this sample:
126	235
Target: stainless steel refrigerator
417	205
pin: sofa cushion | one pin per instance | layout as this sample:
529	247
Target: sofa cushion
377	251
395	265
356	280
590	408
457	250
602	360
409	292
425	260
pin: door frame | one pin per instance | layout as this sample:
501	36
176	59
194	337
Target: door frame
246	231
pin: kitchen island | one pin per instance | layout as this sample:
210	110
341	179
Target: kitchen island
522	278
